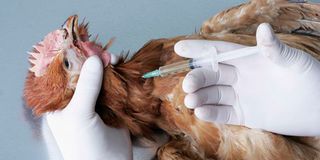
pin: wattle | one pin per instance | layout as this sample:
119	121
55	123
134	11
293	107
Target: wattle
90	49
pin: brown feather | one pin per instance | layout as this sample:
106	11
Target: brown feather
284	16
207	140
49	92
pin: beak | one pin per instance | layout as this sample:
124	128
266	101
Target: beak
71	26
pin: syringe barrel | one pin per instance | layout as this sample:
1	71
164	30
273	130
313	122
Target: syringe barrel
211	60
174	68
201	62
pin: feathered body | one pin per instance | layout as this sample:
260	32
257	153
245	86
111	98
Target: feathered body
148	105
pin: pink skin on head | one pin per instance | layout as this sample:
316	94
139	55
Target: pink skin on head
90	49
45	51
55	42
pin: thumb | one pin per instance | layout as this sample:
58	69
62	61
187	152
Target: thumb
276	51
88	86
268	43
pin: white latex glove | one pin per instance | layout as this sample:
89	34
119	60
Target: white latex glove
79	131
277	90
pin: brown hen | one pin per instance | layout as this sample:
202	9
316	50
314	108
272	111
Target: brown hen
146	106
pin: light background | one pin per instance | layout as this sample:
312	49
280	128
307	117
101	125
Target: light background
23	23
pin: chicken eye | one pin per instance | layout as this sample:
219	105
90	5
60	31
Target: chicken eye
66	63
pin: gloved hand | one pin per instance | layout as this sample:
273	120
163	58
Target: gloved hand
277	90
79	131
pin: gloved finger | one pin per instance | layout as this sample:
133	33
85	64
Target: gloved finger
267	42
201	48
88	86
214	113
203	77
218	95
114	59
280	53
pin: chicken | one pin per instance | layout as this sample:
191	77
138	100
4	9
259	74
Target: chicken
146	106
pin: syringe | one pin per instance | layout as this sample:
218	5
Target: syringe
213	61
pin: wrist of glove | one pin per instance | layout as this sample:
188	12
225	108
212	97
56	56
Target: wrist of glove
79	131
275	90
